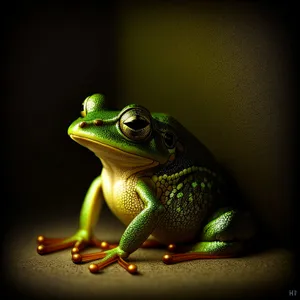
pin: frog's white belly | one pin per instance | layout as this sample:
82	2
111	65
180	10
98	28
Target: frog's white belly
121	197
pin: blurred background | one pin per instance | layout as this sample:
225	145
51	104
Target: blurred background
225	71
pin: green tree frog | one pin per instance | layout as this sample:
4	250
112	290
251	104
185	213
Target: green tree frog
157	179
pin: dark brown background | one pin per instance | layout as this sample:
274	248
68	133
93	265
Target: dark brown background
225	71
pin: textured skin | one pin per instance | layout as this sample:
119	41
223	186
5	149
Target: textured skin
188	197
166	184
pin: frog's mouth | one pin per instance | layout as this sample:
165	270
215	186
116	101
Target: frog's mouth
114	157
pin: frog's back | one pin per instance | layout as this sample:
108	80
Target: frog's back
190	186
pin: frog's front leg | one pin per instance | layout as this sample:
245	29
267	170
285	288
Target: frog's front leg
88	219
135	234
222	237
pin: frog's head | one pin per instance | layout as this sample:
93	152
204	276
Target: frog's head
130	137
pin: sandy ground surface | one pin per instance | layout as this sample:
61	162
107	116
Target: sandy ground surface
55	276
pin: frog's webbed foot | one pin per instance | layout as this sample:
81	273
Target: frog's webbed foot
48	245
76	242
130	268
108	257
205	250
94	268
86	257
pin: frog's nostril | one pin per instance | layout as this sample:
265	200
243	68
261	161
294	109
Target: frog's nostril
98	122
82	124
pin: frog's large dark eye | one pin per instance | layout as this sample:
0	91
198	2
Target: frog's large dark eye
135	124
170	139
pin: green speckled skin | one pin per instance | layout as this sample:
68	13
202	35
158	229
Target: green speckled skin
159	180
188	196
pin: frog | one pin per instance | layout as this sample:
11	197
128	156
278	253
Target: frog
161	182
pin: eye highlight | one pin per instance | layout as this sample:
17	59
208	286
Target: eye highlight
135	124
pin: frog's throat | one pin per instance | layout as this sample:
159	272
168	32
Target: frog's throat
114	158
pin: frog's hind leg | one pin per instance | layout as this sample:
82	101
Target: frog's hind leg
222	237
205	250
